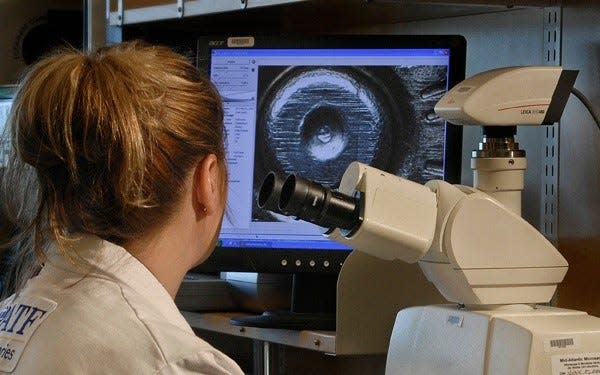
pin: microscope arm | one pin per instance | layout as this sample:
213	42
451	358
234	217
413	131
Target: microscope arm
398	216
474	250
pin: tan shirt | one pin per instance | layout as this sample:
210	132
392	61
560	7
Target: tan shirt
103	314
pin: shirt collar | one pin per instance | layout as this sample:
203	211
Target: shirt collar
94	256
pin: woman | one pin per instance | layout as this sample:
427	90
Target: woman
124	150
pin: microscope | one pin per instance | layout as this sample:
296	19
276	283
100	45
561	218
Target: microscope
498	271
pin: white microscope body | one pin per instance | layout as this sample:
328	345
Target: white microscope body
471	243
493	264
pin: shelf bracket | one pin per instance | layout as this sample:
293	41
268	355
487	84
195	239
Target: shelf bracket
180	8
550	141
120	12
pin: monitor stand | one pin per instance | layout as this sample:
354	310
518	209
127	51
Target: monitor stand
312	306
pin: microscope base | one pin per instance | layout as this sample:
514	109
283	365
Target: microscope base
516	340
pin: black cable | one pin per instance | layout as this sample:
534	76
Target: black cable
588	105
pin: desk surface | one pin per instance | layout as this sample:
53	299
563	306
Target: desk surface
322	341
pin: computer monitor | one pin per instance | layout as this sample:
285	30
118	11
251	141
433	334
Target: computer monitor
311	105
6	257
6	99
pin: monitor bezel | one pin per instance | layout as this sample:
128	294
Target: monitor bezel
270	260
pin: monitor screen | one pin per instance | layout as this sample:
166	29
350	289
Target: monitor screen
6	95
6	99
311	106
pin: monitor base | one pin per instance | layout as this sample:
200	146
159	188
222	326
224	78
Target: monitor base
288	320
313	306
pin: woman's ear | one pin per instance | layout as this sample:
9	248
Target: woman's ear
207	186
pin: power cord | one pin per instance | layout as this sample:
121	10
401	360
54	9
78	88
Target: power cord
588	105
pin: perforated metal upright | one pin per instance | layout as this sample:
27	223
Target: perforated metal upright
550	139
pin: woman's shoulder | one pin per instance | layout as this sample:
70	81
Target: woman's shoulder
69	330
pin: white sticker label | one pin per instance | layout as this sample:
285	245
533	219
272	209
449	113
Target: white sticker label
246	41
19	318
576	364
554	344
455	320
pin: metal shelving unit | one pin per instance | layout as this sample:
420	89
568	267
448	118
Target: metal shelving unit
122	12
140	12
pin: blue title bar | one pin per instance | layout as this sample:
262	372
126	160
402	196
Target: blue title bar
354	52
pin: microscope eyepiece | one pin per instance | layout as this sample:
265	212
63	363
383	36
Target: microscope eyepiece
268	196
312	202
309	201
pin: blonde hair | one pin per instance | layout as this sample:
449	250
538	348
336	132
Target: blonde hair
109	137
